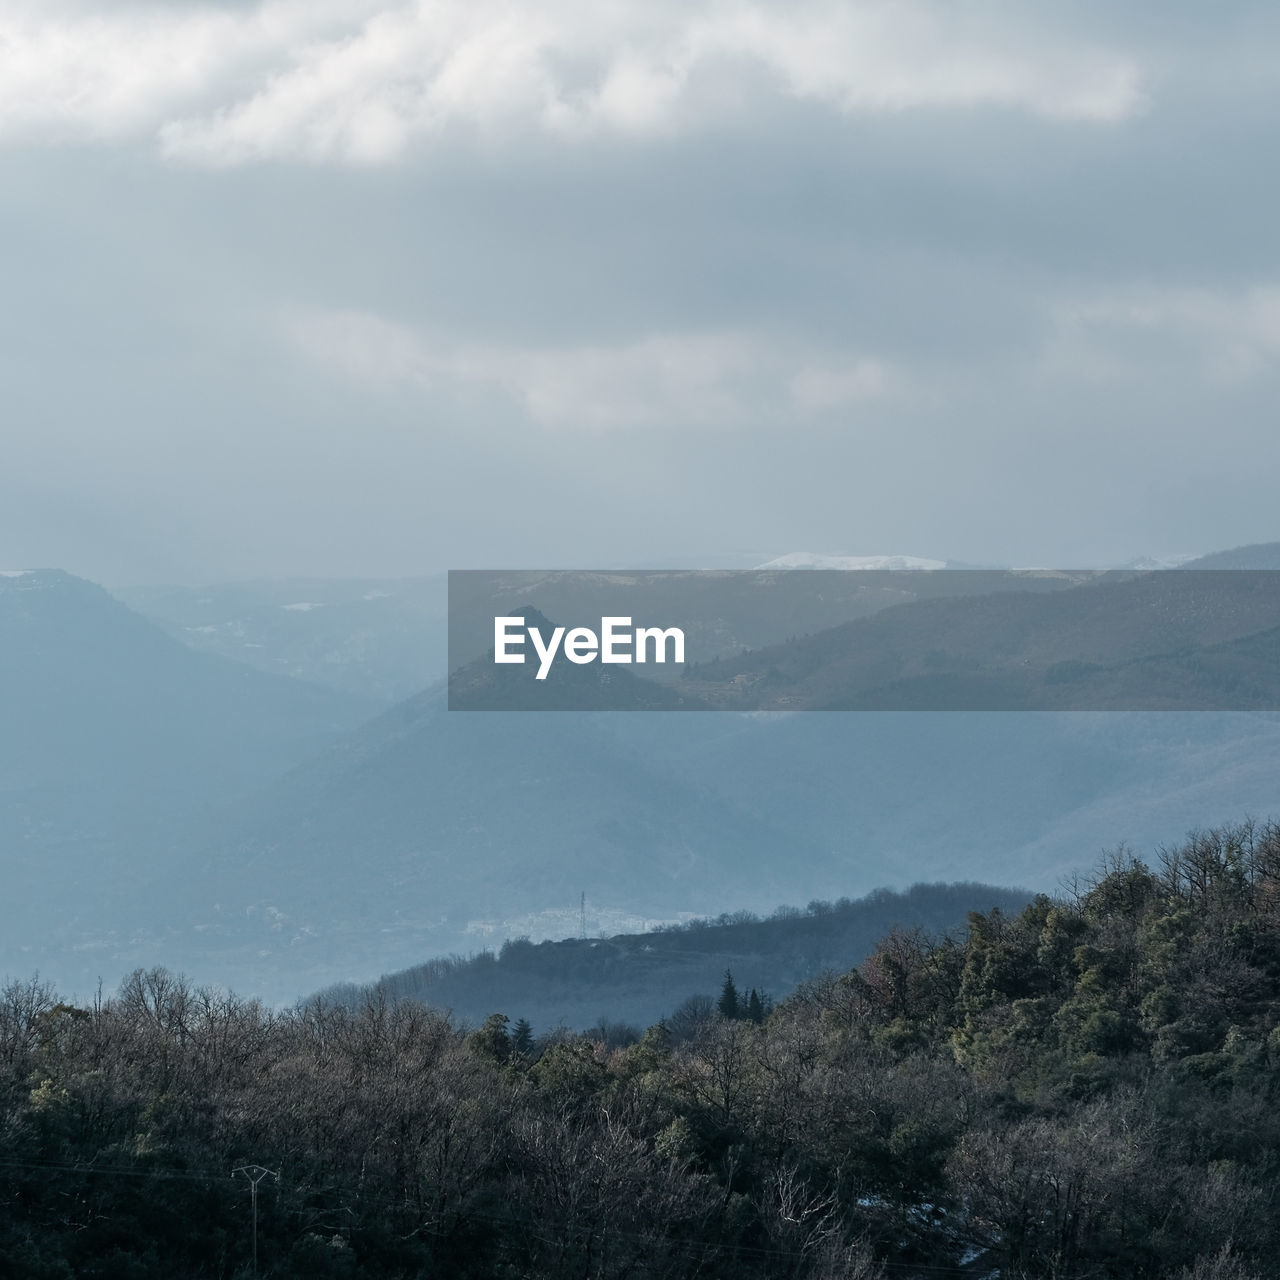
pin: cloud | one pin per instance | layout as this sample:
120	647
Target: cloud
677	380
1228	335
362	83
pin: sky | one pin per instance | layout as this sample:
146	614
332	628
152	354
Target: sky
371	288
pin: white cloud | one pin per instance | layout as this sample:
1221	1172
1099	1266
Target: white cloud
817	387
678	380
1229	335
361	82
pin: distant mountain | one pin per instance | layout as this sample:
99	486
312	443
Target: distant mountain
110	732
428	831
639	978
721	612
401	838
422	831
1262	555
379	638
386	638
1128	641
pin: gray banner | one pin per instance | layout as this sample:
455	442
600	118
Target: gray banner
847	640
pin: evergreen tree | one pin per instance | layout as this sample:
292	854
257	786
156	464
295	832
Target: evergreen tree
755	1007
729	1004
522	1039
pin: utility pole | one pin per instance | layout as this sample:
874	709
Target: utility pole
255	1173
582	916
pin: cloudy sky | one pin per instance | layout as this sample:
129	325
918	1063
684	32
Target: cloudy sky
369	287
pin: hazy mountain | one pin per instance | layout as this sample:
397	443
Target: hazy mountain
411	833
1198	640
421	831
428	831
379	638
1261	555
111	733
387	638
721	613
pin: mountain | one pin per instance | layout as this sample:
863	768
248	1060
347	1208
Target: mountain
1171	639
410	834
113	732
161	805
427	831
386	638
378	638
721	612
1260	555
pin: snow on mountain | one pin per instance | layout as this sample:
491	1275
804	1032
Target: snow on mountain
810	560
1174	561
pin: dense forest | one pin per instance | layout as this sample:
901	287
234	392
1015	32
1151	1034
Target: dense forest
1083	1089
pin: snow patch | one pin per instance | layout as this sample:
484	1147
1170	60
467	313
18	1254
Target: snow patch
14	573
809	560
303	606
1173	561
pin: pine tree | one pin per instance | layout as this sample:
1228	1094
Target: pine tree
522	1039
729	1004
755	1007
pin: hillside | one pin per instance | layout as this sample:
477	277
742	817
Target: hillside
641	978
427	832
382	639
721	612
204	815
1083	1089
1259	555
404	836
1172	639
115	743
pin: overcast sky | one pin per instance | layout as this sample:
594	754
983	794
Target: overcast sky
362	287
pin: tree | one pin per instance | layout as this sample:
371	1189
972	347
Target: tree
729	1004
522	1039
493	1040
689	1017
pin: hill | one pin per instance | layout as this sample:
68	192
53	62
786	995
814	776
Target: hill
185	837
1082	1089
429	832
1258	555
382	639
114	740
1169	639
641	978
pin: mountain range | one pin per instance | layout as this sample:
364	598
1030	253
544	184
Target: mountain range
163	804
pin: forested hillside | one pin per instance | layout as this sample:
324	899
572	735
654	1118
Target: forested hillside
1085	1089
640	978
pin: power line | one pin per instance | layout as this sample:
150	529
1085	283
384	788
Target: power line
255	1174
